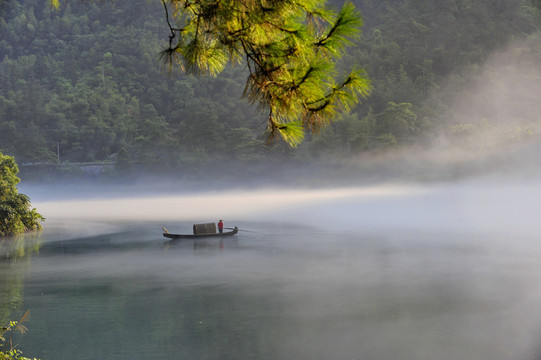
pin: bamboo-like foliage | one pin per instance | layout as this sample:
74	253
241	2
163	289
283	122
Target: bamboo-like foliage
11	352
289	46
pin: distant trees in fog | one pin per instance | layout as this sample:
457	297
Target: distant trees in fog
82	84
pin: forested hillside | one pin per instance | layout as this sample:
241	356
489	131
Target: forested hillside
84	84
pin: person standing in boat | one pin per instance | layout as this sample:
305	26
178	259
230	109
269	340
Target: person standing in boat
220	226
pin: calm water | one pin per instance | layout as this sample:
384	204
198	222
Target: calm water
281	291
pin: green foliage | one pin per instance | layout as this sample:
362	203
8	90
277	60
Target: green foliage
7	349
397	120
289	47
16	215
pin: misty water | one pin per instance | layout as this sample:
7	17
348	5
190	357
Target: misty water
383	272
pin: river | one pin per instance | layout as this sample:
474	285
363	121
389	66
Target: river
386	273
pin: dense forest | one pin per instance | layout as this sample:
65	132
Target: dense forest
83	86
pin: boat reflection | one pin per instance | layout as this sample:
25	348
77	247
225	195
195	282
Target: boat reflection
205	243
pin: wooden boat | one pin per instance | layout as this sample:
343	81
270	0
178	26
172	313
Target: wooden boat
167	234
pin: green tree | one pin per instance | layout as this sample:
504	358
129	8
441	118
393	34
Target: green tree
398	120
16	215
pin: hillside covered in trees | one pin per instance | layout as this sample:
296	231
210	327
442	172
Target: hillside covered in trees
84	85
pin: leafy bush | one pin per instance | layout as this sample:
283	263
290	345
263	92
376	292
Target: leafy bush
16	215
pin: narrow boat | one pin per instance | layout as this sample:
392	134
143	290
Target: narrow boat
167	234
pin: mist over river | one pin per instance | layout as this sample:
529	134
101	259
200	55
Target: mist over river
446	271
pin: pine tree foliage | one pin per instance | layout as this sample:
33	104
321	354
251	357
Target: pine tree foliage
290	48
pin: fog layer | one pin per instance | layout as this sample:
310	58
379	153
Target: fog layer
488	206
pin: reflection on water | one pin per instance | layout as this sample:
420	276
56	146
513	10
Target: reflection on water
281	292
19	246
15	258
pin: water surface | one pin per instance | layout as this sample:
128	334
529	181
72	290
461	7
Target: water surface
280	291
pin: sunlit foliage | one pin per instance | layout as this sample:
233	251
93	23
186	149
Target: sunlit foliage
289	47
8	350
16	215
